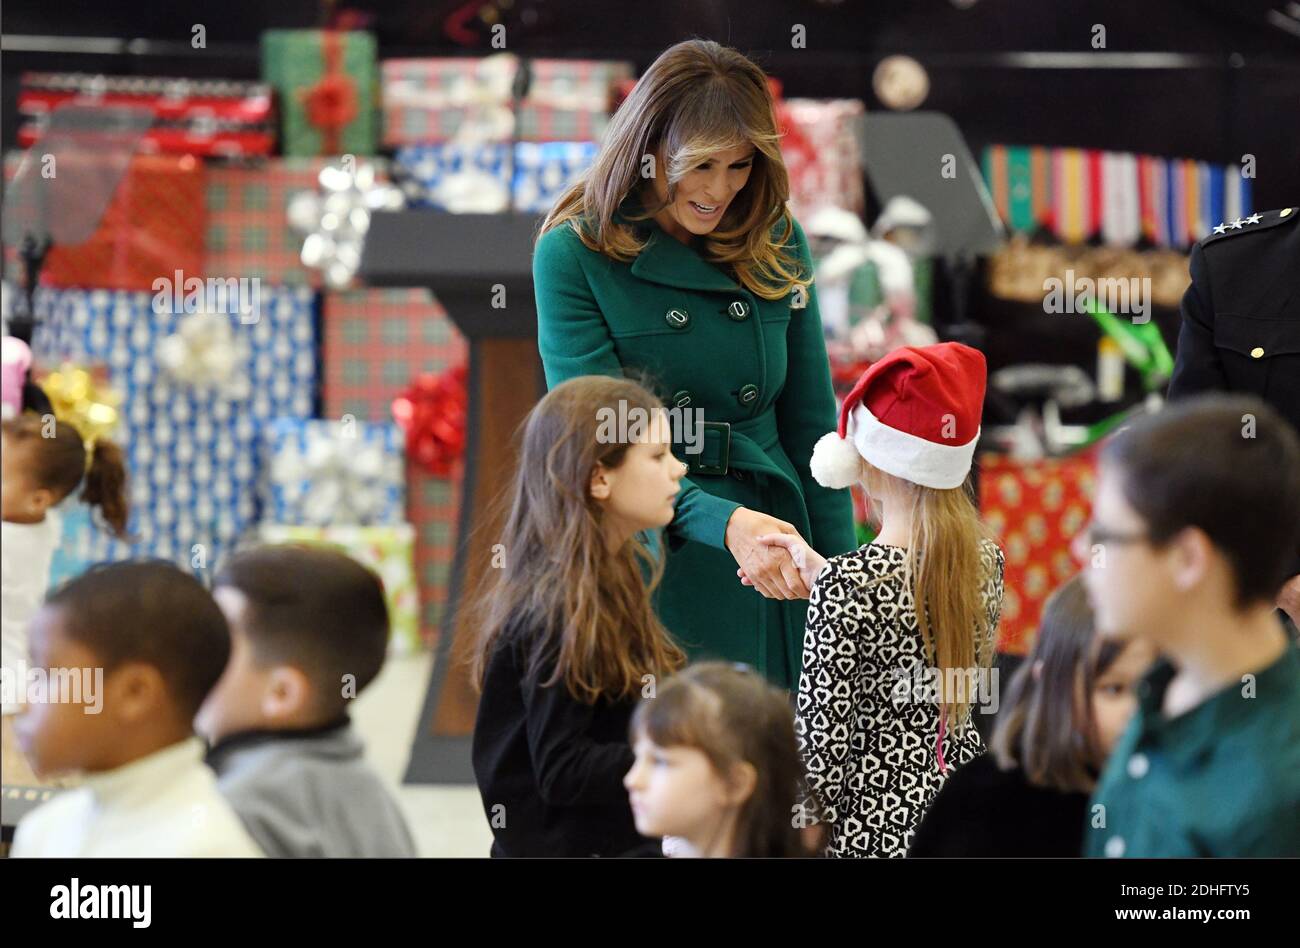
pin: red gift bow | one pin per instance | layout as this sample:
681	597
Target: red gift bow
332	102
432	410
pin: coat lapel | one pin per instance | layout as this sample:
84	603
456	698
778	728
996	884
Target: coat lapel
670	262
667	260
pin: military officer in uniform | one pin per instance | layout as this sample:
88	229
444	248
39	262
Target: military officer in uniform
1241	324
677	260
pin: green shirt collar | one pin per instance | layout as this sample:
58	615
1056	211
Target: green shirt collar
1195	733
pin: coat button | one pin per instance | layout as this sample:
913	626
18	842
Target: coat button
681	399
1115	847
1256	353
747	394
1138	765
677	318
738	310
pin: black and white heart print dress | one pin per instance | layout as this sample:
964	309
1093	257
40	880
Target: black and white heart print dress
870	756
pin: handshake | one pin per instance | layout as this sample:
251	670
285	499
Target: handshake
771	556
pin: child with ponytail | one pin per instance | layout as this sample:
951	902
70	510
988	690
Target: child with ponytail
569	640
900	632
42	461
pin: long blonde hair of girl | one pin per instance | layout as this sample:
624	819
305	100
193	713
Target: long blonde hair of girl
593	608
697	99
945	571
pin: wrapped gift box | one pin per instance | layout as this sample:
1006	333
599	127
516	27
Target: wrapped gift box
570	100
456	177
544	170
248	232
153	226
191	449
388	550
1035	509
191	116
332	473
468	99
326	82
77	530
820	150
374	343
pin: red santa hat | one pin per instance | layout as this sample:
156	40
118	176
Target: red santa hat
914	414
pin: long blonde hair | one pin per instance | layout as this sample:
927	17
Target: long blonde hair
698	98
592	609
945	571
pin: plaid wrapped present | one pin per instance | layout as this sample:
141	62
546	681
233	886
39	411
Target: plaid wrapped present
248	227
388	550
191	450
153	226
1035	508
465	99
820	149
332	473
569	100
455	177
374	343
326	83
543	170
191	116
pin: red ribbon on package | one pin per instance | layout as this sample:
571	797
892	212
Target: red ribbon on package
433	412
332	102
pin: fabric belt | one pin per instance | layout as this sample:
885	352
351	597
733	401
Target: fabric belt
716	438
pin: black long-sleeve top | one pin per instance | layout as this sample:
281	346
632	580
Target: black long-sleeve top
550	768
986	811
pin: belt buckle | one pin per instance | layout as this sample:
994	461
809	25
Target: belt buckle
724	453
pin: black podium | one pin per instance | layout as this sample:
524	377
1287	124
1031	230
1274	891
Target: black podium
480	268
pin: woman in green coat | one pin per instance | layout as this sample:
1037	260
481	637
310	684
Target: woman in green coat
676	260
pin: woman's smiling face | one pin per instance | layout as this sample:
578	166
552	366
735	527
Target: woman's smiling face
704	193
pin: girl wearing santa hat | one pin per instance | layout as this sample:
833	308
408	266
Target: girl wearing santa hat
900	632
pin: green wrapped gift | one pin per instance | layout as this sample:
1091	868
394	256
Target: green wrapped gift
327	82
389	550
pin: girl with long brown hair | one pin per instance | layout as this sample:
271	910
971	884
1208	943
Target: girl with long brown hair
900	632
569	640
676	258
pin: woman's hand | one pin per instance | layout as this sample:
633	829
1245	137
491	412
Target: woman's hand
805	559
764	566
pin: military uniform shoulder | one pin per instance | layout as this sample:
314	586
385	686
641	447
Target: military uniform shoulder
1261	220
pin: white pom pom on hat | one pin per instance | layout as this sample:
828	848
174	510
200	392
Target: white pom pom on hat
835	461
914	414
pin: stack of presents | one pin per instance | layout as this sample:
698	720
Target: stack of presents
293	435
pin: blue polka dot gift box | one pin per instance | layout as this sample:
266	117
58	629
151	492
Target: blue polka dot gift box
458	177
326	473
198	389
544	170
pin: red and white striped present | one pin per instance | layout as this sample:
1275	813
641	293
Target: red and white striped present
191	116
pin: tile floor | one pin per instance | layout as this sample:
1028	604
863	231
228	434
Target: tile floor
445	820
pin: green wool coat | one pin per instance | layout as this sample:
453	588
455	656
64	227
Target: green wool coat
760	365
